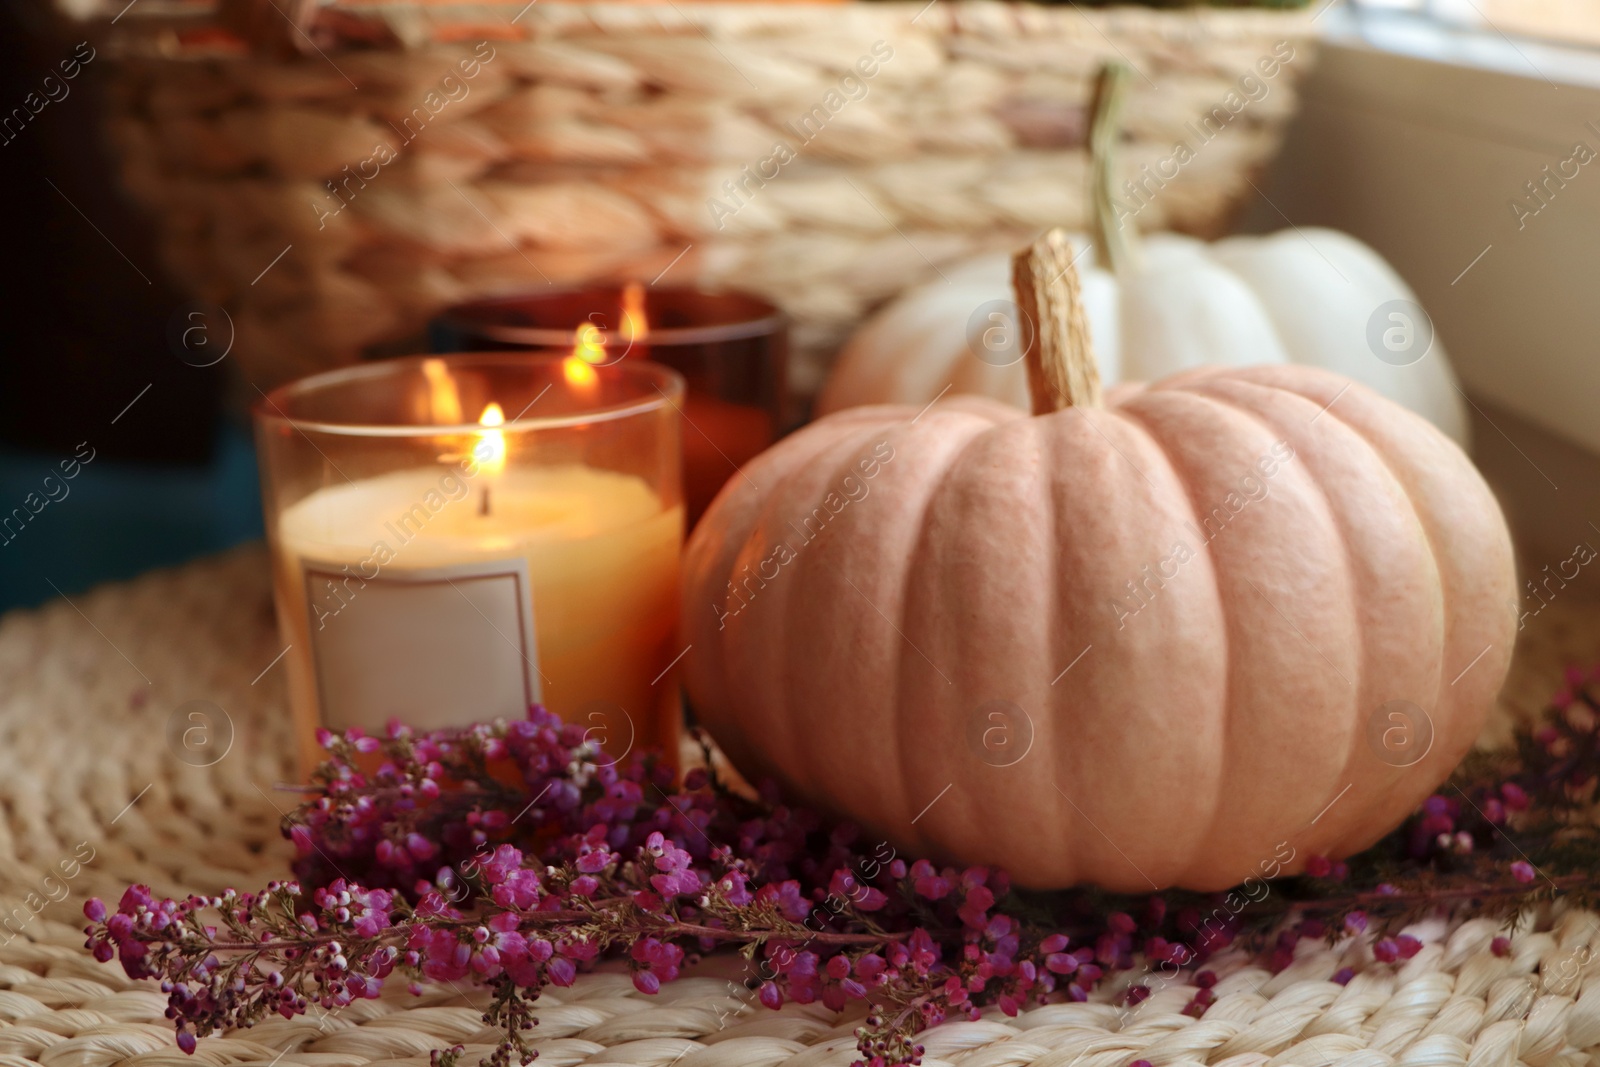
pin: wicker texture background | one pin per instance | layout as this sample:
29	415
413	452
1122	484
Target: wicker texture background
96	778
589	146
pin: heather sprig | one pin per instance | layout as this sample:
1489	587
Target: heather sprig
515	856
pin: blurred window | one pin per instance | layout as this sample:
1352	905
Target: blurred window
1559	21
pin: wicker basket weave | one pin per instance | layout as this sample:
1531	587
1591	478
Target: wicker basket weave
594	142
105	781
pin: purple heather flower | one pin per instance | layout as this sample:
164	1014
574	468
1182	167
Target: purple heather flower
919	952
521	889
501	864
1061	963
676	883
734	889
929	883
655	961
974	911
372	922
844	886
561	971
500	888
596	860
786	895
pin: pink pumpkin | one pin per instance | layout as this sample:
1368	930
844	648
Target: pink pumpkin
1224	623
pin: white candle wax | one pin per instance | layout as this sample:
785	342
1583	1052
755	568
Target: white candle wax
406	599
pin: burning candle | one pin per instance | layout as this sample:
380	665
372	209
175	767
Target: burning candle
730	347
635	321
443	572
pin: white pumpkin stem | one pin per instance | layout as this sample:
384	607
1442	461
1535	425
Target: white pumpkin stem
1117	241
1062	372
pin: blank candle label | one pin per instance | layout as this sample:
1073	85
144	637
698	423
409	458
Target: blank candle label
436	647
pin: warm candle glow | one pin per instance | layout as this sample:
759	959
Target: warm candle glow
635	327
588	349
491	447
444	399
527	553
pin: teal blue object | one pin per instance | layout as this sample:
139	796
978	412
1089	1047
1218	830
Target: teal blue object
119	519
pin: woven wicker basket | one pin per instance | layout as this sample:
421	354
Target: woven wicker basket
104	780
595	142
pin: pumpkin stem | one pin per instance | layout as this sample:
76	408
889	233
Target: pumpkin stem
1118	241
1062	372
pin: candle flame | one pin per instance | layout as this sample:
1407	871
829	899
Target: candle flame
588	349
491	447
444	399
635	327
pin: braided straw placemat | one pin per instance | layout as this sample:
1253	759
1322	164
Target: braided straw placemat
144	726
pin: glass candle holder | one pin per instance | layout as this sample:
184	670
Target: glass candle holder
731	348
456	538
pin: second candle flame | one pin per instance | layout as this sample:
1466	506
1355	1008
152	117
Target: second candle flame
491	447
635	327
588	349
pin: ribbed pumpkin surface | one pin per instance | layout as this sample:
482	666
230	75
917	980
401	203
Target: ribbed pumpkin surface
1143	645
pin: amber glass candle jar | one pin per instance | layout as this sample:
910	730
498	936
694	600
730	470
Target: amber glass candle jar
730	347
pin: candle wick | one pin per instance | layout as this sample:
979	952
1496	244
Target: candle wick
483	501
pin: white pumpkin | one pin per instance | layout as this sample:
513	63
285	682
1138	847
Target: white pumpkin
1307	296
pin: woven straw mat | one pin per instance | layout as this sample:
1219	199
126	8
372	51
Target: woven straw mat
95	694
